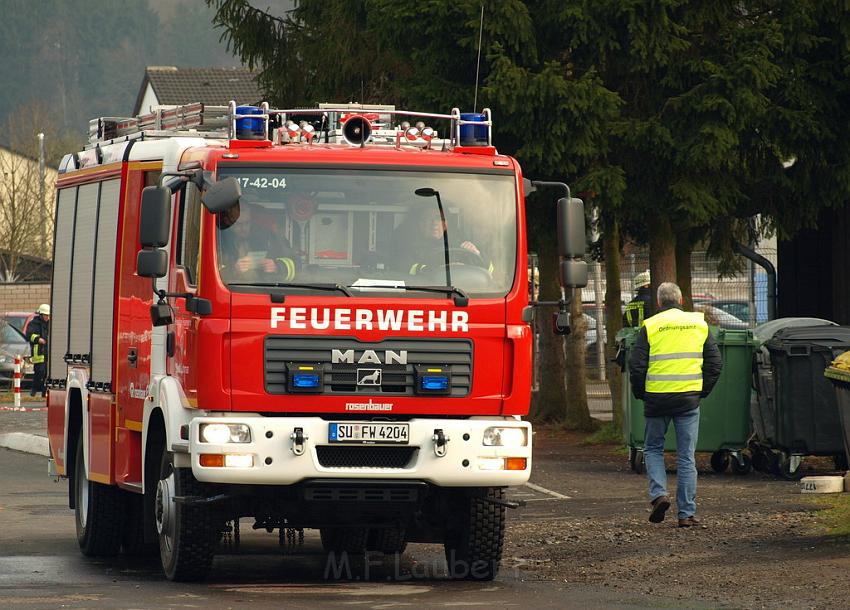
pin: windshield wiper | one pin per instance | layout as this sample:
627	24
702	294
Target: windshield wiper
315	286
460	298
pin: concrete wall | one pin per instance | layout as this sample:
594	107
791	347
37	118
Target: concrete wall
23	297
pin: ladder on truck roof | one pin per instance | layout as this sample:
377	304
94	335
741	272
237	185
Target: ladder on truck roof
220	122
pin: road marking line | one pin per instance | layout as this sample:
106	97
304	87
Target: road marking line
554	494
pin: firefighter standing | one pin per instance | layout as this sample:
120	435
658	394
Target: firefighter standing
38	331
640	307
673	365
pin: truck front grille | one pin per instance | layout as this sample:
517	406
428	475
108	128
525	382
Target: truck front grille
365	456
454	355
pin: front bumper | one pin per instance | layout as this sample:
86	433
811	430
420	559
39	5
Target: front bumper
276	460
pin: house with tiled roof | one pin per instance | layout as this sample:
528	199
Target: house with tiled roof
170	85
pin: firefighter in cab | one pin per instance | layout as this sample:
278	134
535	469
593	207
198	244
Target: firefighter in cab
37	334
640	307
418	244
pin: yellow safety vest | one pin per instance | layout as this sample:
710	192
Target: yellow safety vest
676	339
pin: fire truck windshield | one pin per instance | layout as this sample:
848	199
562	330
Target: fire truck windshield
369	231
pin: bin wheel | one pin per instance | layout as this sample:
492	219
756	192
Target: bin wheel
760	461
719	461
787	470
640	462
773	463
742	464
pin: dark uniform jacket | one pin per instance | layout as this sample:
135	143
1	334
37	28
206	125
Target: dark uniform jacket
643	298
38	328
671	403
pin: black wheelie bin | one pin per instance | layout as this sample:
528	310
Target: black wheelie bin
763	401
806	412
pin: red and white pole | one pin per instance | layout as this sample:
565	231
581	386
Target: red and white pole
17	381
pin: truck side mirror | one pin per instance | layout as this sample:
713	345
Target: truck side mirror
573	273
222	195
571	237
152	263
155	217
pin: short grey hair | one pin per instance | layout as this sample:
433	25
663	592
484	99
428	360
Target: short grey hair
669	294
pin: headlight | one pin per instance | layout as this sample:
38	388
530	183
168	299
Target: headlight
505	437
219	434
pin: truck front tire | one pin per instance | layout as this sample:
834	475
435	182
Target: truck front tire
474	540
99	510
188	535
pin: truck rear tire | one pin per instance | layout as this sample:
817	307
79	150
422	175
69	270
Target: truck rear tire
99	511
188	535
474	541
344	539
389	541
133	541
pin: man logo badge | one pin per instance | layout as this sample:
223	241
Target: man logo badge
369	377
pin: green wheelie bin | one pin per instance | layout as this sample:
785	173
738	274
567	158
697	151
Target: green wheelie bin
724	423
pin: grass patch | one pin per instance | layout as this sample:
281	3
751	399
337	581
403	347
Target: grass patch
7	396
606	434
833	513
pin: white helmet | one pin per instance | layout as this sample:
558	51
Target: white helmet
43	309
641	279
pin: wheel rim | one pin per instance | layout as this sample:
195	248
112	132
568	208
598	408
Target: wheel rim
82	498
164	511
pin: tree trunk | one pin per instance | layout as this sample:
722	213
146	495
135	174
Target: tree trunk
578	413
684	248
614	317
547	404
662	253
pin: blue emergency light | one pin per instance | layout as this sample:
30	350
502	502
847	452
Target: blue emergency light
434	383
473	135
304	381
304	377
250	128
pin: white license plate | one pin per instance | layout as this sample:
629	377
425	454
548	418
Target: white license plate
346	432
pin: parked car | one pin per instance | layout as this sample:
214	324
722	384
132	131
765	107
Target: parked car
717	317
13	343
18	319
739	308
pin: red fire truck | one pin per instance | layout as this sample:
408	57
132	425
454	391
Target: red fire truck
316	318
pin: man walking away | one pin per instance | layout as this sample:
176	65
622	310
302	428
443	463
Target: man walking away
639	308
37	334
674	364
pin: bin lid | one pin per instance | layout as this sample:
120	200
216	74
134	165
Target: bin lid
825	336
765	331
840	368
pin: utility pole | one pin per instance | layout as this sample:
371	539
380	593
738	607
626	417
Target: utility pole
41	199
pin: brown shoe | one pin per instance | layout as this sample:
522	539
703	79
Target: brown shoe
688	522
659	507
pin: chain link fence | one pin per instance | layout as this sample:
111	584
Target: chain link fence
734	301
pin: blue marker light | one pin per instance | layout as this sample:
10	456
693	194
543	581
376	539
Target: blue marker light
434	383
305	380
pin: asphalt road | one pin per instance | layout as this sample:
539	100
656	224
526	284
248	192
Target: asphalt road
41	567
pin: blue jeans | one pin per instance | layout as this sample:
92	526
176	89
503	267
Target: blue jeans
687	429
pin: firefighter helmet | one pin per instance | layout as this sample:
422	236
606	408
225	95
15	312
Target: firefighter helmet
43	309
641	279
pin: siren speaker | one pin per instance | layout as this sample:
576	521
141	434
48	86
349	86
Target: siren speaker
356	130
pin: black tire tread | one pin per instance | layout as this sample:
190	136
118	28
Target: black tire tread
197	537
353	540
478	548
105	521
390	541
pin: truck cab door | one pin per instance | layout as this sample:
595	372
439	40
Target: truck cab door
183	336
